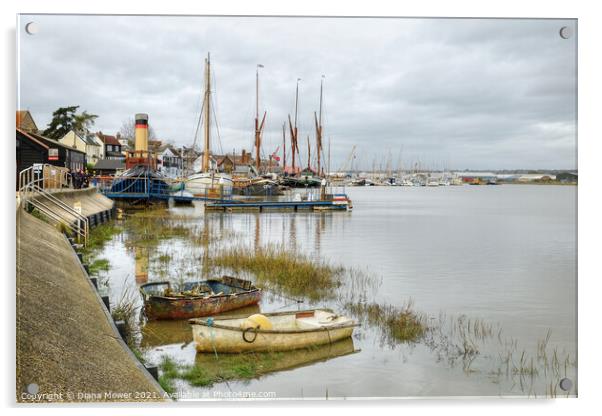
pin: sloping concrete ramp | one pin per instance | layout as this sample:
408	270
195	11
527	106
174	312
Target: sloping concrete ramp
67	349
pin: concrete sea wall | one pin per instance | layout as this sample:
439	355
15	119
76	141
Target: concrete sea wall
68	348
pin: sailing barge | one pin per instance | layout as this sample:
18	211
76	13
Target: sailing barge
207	181
197	299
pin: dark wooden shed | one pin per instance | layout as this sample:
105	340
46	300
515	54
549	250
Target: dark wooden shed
33	148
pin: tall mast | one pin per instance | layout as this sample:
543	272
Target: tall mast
321	90
296	102
318	142
318	121
293	145
284	147
258	127
207	113
308	154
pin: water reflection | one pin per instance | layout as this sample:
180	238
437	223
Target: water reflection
141	269
264	363
502	254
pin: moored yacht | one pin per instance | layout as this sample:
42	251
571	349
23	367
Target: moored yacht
208	181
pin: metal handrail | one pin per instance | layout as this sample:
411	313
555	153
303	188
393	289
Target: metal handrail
58	202
29	189
82	221
82	227
58	219
28	175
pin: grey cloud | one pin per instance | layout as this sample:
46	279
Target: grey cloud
472	93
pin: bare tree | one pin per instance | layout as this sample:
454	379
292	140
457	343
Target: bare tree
128	131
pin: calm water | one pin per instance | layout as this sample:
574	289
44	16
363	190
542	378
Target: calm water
504	254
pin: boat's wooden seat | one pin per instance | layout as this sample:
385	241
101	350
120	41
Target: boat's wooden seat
315	322
307	324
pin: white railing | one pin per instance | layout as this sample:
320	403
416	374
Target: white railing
34	187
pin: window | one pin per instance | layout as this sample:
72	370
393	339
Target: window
109	148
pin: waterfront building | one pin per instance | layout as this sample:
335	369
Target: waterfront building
169	161
33	148
86	144
112	147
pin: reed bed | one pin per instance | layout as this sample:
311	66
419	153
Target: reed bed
278	268
127	309
481	347
399	324
99	265
101	235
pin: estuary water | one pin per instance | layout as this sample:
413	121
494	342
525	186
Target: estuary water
502	258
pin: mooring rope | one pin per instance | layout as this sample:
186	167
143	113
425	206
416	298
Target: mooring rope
329	338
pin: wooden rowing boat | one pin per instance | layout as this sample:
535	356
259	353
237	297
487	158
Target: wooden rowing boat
290	330
196	299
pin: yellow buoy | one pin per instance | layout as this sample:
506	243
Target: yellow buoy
257	321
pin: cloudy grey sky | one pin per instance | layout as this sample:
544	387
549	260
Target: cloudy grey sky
448	93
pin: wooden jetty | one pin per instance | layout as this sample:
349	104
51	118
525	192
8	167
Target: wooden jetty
336	203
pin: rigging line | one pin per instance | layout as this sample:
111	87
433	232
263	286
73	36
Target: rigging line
198	126
199	101
214	108
219	138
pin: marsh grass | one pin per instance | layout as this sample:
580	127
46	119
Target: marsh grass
205	236
39	215
222	368
169	372
399	324
164	258
101	235
283	270
481	347
99	265
126	309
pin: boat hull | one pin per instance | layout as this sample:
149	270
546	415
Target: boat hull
221	295
301	182
218	338
258	189
159	307
210	185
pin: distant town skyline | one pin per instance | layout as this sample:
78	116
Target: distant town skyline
480	94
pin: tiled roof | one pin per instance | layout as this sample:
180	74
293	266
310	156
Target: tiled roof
109	139
25	120
45	141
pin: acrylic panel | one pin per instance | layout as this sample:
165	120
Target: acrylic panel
216	208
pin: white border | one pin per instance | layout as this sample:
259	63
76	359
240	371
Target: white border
589	187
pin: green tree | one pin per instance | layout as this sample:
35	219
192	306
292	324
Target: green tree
66	119
82	123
